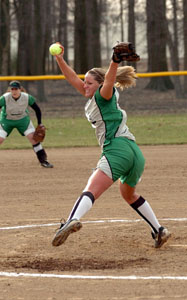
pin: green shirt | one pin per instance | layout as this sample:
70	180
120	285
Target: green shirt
108	119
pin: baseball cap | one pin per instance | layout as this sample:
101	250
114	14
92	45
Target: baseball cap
15	84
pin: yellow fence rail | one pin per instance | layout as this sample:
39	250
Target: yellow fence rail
58	77
160	74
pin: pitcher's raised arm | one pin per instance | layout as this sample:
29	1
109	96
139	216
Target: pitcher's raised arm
69	73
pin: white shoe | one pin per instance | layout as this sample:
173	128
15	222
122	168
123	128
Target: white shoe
64	231
161	237
46	164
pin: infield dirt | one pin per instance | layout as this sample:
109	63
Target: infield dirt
39	198
32	195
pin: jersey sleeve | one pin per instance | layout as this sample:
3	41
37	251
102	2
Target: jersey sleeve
2	101
99	97
32	100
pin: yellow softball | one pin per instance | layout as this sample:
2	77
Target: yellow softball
55	49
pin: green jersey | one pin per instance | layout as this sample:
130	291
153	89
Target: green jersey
108	119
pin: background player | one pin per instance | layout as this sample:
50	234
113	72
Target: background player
15	114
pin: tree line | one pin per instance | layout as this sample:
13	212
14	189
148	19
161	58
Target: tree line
27	28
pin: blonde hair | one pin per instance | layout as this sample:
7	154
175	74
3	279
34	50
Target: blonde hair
98	74
125	77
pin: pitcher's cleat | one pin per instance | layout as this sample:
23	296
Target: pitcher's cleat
46	164
161	237
65	230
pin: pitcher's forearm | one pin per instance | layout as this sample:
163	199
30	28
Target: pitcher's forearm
70	74
110	75
110	79
65	68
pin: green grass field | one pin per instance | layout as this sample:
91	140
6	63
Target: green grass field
77	132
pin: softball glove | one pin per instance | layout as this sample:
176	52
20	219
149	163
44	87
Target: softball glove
39	133
124	52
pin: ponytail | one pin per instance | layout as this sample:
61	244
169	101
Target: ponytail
125	77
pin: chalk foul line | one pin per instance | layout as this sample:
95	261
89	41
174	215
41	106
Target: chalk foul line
99	277
89	222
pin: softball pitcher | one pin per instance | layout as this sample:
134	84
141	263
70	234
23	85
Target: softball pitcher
14	114
121	157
